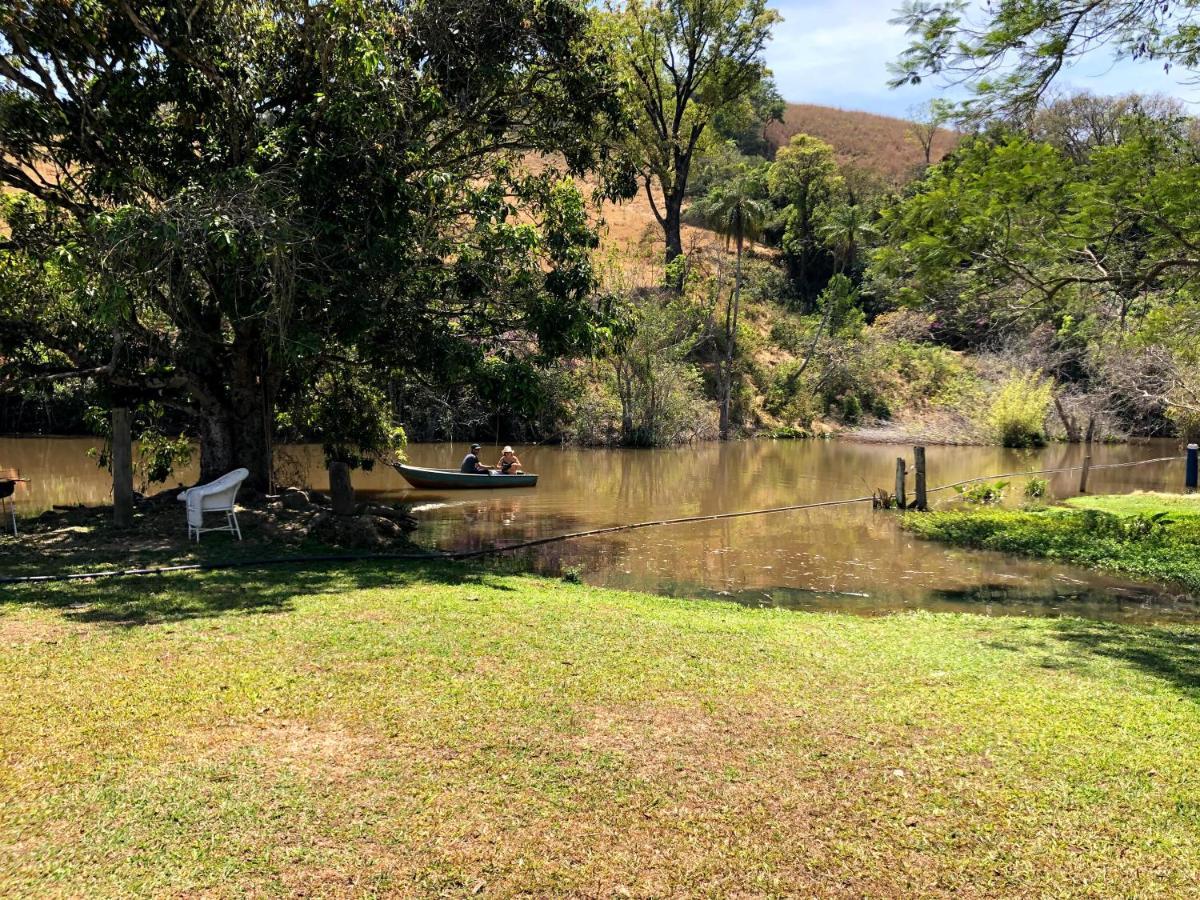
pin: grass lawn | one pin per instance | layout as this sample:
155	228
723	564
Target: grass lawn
1115	532
1177	506
432	731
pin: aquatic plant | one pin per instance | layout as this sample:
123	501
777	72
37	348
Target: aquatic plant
982	492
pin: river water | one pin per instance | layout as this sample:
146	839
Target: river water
847	558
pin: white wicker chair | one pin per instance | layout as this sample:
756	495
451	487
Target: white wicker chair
216	496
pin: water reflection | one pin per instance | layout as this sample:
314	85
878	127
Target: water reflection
847	558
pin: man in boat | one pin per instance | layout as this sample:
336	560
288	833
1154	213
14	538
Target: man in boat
509	464
471	464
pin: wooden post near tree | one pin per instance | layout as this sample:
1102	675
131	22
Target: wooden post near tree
1083	474
919	462
901	473
122	467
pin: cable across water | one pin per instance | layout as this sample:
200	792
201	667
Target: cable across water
535	542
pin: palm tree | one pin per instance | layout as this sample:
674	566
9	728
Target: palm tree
733	211
843	229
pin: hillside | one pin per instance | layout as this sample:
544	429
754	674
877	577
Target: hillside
879	144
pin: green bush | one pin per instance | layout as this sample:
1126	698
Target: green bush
1017	415
851	409
982	492
1036	488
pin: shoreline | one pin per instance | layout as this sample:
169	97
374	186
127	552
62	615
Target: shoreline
1149	535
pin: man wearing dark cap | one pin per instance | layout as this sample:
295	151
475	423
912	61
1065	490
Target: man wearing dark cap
471	464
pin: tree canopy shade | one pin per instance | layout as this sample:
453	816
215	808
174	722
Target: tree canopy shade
690	63
221	201
1011	51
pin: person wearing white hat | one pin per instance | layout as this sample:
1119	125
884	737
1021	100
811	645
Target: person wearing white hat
509	464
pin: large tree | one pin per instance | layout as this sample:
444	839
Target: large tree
804	180
690	63
225	195
1101	252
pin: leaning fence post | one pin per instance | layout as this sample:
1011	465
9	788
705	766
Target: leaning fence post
919	462
1191	474
1087	464
901	472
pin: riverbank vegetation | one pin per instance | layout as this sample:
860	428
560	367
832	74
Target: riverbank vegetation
1146	535
440	266
432	730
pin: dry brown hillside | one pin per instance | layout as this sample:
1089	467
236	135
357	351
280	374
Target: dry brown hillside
880	144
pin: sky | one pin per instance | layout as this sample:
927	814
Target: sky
835	53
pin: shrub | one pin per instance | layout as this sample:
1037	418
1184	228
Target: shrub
982	492
851	409
1018	411
1036	488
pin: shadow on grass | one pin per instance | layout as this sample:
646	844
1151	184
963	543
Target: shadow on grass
1172	654
156	599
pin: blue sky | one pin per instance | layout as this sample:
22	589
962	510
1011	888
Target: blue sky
835	53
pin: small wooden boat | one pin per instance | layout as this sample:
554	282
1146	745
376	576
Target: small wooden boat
452	479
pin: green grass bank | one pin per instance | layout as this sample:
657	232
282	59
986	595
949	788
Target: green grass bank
1146	535
422	730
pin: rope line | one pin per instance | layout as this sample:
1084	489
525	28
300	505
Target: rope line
523	545
1124	465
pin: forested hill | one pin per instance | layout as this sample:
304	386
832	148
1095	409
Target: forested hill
882	145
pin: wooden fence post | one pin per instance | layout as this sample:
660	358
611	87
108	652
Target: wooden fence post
122	467
1087	464
901	472
919	462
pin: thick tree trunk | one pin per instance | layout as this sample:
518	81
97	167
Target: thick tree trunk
122	467
235	431
250	394
216	444
673	233
341	490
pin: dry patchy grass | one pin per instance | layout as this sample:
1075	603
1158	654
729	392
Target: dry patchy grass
431	731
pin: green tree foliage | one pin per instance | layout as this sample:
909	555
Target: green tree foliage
222	198
804	181
349	416
660	391
1011	52
746	124
689	63
1013	228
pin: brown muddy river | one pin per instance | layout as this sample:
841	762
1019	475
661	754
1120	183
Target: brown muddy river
847	558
